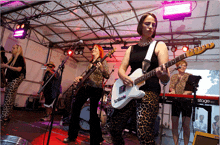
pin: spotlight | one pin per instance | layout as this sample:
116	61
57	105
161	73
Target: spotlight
21	30
107	48
79	50
185	48
76	52
173	48
177	10
124	47
68	52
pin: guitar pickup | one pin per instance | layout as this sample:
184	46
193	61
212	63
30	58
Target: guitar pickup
122	89
120	98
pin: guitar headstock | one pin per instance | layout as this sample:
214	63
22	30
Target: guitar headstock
199	50
111	52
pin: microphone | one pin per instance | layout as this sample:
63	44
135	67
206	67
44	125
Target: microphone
79	42
177	67
76	43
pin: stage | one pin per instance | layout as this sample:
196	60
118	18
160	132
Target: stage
27	125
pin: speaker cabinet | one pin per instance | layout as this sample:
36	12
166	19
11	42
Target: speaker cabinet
202	138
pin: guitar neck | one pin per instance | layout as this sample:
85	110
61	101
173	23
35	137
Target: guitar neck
90	71
153	72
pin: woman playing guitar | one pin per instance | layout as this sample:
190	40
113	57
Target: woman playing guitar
92	89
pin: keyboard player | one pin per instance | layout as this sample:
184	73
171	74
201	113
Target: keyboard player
178	85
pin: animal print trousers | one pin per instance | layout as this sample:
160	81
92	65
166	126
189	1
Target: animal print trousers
146	110
10	95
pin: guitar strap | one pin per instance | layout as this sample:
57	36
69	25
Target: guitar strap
147	59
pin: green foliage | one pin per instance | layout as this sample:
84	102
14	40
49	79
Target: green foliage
213	74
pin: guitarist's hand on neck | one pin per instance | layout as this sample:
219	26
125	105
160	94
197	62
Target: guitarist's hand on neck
77	80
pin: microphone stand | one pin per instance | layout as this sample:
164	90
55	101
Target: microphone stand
61	67
161	128
163	97
194	100
103	86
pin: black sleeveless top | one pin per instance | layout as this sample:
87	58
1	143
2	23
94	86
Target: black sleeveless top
137	55
11	75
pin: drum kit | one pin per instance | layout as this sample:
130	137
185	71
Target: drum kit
104	111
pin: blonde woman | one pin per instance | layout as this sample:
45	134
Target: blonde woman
15	74
177	86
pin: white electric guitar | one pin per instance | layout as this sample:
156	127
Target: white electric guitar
122	94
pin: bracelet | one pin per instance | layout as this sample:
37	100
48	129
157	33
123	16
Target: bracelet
8	66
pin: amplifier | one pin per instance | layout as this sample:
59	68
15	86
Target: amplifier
202	138
32	103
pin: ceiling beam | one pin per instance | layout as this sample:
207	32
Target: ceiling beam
206	12
23	7
176	42
136	35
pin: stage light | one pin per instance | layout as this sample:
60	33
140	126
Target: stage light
21	30
185	48
76	52
173	48
107	48
79	50
125	47
176	10
69	52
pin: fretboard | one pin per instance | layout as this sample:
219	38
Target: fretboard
153	72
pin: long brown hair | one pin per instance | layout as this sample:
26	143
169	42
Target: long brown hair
20	52
140	24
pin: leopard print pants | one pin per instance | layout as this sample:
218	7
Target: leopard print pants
10	95
146	112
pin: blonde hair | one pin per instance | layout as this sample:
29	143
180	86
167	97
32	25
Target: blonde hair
20	52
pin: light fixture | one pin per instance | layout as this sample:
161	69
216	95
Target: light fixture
79	50
185	48
173	48
68	52
177	10
21	30
107	48
125	47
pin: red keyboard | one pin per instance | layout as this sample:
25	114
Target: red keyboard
213	100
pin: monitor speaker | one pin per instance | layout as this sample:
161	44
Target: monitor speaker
202	138
13	140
